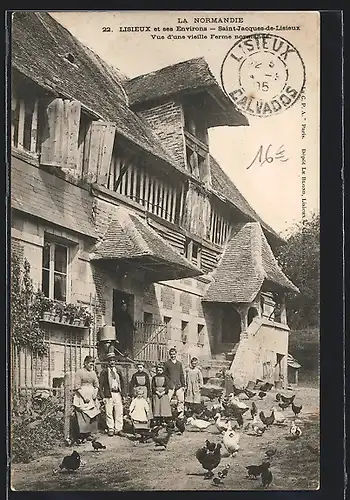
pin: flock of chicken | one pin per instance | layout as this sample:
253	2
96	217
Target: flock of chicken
228	418
232	409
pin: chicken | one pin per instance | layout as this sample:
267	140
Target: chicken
128	425
198	423
209	458
295	430
262	394
296	409
253	410
70	462
278	397
279	416
234	412
289	400
97	445
283	406
266	475
254	471
180	425
237	391
161	441
249	394
267	420
266	387
230	440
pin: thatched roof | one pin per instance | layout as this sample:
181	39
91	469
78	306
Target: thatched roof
130	240
189	76
40	46
246	264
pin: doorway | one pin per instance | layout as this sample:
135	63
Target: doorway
122	319
231	325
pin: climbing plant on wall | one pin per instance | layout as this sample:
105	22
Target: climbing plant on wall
26	309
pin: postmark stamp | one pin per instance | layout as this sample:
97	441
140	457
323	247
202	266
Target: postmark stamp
263	74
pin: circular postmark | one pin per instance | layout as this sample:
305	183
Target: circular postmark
263	74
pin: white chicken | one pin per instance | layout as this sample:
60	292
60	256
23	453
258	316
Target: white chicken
230	440
279	416
198	423
221	425
295	430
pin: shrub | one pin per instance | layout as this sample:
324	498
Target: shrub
37	425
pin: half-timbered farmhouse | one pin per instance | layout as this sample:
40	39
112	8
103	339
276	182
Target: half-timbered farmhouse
117	200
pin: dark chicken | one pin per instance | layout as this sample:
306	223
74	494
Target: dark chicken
209	456
262	394
254	471
237	391
278	397
71	462
283	406
97	445
287	400
266	387
267	420
249	394
253	410
296	409
180	425
266	475
161	441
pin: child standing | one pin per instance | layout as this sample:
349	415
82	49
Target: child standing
194	382
139	411
161	403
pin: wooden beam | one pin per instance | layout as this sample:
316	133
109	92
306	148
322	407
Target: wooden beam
34	131
21	117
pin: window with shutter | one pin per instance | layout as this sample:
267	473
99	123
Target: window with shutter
98	152
60	133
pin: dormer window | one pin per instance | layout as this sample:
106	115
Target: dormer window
195	122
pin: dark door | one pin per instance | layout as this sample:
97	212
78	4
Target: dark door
231	325
122	318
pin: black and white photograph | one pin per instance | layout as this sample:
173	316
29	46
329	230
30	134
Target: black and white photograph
164	250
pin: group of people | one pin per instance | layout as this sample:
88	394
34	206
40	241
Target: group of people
151	397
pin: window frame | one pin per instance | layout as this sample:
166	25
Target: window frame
52	271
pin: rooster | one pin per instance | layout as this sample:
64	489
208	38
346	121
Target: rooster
209	456
266	475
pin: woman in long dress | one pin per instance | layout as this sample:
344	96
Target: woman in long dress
160	399
85	399
194	382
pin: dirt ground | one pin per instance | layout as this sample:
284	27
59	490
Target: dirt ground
126	465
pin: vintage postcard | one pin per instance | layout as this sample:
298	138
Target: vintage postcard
165	250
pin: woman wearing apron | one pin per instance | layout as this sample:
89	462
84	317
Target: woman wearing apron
161	404
141	379
85	403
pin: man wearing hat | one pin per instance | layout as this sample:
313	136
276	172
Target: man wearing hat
112	389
